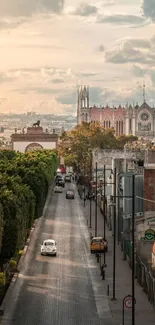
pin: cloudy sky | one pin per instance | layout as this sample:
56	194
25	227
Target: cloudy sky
49	47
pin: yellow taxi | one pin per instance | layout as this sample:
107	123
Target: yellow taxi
98	244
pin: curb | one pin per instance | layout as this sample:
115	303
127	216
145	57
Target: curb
15	276
21	260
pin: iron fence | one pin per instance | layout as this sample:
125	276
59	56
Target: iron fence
143	272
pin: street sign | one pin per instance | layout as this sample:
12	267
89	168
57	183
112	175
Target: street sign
128	302
150	234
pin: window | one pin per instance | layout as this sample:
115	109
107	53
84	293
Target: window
97	240
48	244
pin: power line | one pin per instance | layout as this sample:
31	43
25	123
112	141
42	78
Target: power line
142	198
139	197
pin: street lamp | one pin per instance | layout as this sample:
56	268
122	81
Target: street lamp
96	204
133	242
114	240
104	215
133	249
104	212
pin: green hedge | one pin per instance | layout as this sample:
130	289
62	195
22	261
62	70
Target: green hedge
24	182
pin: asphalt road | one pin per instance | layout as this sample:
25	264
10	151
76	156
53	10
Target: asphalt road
55	290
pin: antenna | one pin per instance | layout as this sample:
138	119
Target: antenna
144	92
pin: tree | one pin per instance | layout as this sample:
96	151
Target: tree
24	182
1	224
76	145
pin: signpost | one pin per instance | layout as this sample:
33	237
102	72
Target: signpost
127	303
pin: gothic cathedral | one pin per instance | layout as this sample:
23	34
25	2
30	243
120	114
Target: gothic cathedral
136	120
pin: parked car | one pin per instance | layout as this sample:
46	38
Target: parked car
98	244
58	189
70	194
48	247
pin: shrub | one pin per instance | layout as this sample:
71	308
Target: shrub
2	279
20	252
13	264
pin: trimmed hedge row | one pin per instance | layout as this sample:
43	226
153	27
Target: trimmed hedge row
24	182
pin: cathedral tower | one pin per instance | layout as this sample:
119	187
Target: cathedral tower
83	110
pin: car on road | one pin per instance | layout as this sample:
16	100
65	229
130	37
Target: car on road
70	194
58	189
98	244
48	247
68	179
60	182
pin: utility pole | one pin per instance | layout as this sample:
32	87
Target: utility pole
104	175
84	189
96	205
133	249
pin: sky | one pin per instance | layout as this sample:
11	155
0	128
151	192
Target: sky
48	48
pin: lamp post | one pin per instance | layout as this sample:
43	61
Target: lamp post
90	215
96	204
133	242
90	196
114	240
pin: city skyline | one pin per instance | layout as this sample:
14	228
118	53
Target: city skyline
49	48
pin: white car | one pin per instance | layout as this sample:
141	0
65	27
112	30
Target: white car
48	247
58	189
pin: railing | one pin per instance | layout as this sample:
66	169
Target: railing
145	277
146	280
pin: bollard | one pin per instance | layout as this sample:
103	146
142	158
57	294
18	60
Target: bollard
108	290
102	272
98	258
103	275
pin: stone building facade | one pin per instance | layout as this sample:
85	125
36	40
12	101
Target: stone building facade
136	120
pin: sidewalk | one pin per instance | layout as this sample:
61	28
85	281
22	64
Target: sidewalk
144	312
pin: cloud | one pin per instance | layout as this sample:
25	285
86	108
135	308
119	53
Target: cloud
2	100
67	98
108	2
121	19
138	71
57	81
9	76
37	90
124	54
132	50
97	96
17	8
101	48
87	74
141	43
148	7
84	9
10	24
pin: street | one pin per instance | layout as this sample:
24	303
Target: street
56	290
